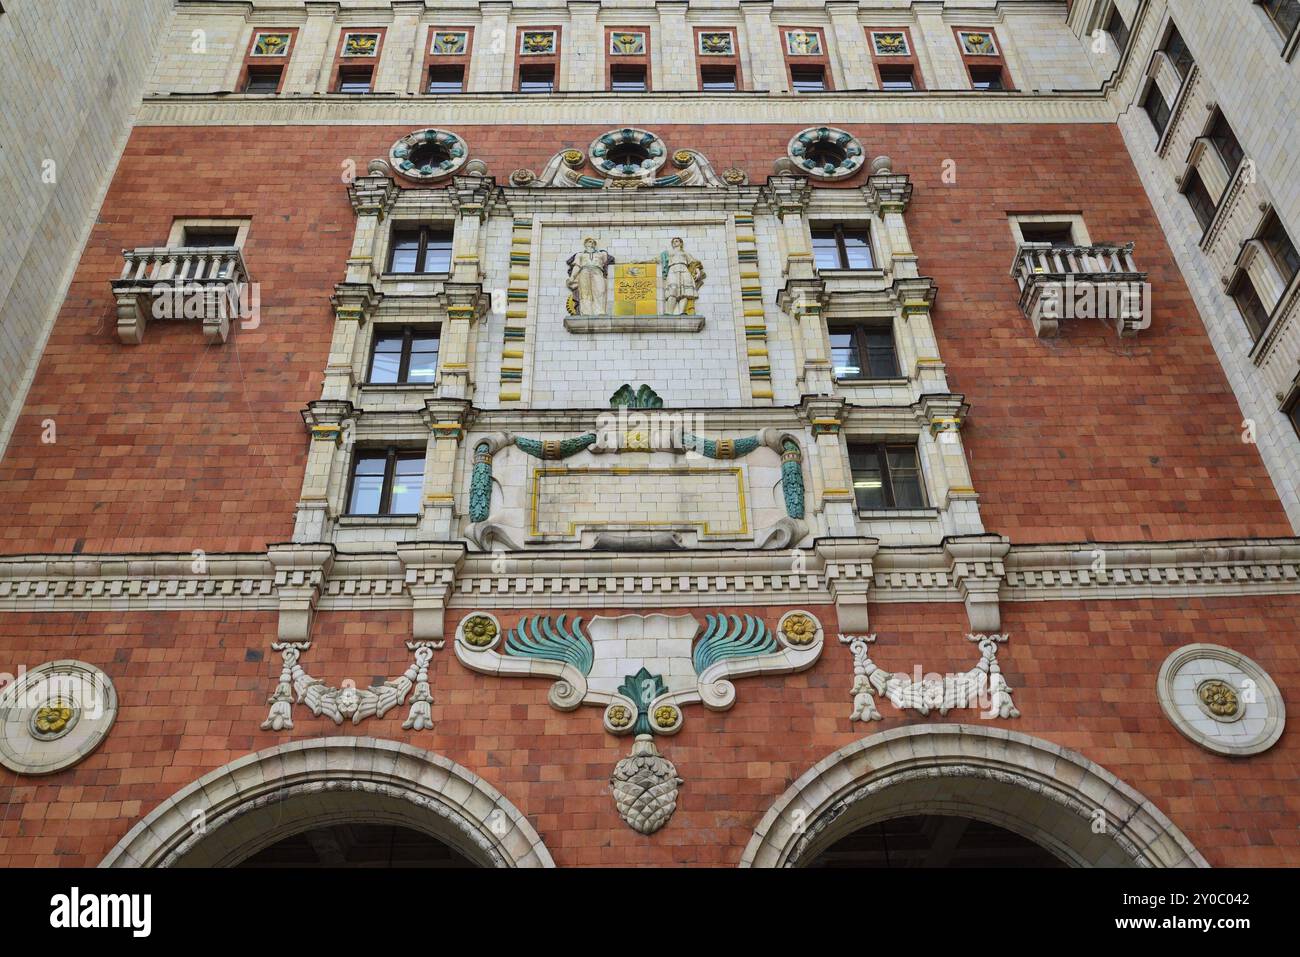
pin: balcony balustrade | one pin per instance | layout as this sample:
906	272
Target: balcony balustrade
1081	282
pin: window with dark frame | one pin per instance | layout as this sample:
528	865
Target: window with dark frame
355	79
886	475
446	79
1176	49
1225	141
1283	14
420	249
1156	109
1292	410
808	78
986	78
720	79
627	78
1117	27
387	481
1249	305
898	77
405	355
842	247
207	237
263	79
1199	198
537	79
863	351
1280	248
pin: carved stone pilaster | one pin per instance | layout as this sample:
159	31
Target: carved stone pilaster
329	421
300	574
787	196
373	194
977	570
804	301
849	574
474	195
466	305
430	570
447	421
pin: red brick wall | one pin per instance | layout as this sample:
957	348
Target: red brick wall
1083	672
173	445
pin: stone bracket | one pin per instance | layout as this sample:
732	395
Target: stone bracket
976	568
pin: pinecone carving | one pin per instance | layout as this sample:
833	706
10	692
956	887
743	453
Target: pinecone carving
645	787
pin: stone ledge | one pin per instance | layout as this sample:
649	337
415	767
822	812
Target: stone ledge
596	325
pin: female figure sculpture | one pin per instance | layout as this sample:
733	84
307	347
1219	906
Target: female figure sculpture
588	272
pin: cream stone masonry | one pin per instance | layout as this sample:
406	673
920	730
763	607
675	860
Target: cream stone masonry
72	83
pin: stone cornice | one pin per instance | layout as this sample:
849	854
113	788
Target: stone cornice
832	569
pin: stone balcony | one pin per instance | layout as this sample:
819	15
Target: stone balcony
1081	282
208	284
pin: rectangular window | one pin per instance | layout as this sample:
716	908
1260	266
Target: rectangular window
206	237
1055	234
1292	411
537	79
863	352
404	356
842	247
808	78
1225	141
897	78
355	79
1284	14
986	78
1249	305
1157	109
1199	198
1177	52
627	79
263	79
386	482
1280	248
1117	28
446	79
886	476
422	249
718	78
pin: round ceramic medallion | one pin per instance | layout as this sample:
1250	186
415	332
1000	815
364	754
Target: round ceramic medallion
425	155
627	153
798	630
1221	700
54	715
480	631
826	152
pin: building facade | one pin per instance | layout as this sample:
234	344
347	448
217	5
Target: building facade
737	433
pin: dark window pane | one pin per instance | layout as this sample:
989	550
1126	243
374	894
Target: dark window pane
857	249
1225	141
808	79
354	80
868	480
1280	247
986	78
263	80
1058	234
844	354
210	237
1285	14
1199	198
1177	51
386	364
1117	29
536	79
1157	109
368	484
882	361
408	483
721	78
905	478
627	79
1293	413
1249	304
446	79
896	78
406	249
424	359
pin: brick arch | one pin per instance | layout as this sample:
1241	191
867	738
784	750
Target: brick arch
1037	789
236	810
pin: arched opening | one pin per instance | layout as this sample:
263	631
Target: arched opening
357	845
267	807
933	841
429	154
628	155
1048	799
